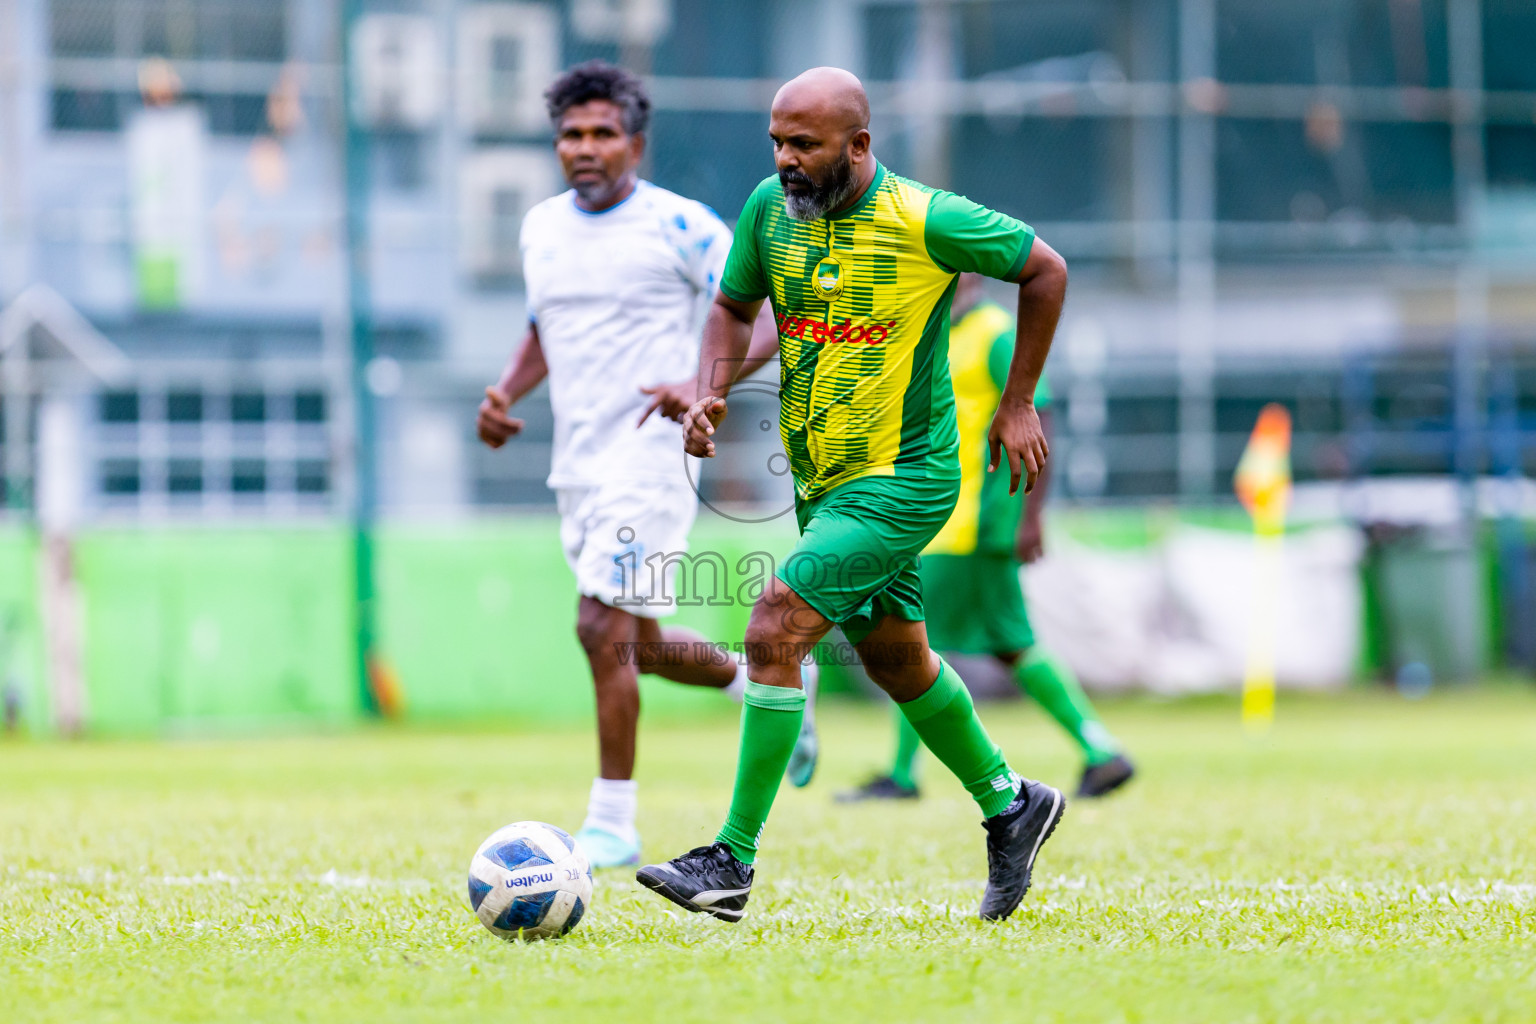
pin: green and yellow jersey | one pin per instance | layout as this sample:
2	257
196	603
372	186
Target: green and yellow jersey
986	516
862	304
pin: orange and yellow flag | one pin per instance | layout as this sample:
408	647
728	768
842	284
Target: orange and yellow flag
1263	478
1263	484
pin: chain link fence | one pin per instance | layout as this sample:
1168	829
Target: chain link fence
1354	180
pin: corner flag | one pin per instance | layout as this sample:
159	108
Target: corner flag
1263	484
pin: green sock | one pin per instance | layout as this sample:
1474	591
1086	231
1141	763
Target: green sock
908	743
946	720
1051	683
770	723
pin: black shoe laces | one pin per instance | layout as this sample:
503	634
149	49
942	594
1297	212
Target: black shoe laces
702	862
997	832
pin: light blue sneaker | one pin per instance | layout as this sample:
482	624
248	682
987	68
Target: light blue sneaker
606	850
802	762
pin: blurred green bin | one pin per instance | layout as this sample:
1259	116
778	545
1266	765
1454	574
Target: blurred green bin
1433	602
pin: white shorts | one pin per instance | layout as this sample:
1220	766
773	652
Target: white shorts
617	538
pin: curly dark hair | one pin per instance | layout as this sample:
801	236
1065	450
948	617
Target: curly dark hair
599	80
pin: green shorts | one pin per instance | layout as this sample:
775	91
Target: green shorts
975	604
856	561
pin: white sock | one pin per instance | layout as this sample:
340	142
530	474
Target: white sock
736	689
611	808
810	677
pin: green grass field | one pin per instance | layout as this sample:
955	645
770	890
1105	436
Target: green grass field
1370	860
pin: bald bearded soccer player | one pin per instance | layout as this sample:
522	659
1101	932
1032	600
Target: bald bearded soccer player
860	266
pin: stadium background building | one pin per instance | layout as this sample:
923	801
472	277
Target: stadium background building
204	220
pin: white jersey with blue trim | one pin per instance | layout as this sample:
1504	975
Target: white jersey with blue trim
619	298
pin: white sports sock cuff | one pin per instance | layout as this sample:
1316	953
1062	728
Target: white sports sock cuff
611	806
810	677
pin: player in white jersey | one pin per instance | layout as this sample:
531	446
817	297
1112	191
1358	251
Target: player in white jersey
618	274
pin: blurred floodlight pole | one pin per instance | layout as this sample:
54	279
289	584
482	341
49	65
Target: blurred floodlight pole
935	67
365	496
13	351
837	39
15	366
1470	172
1202	99
13	231
59	498
57	476
1151	177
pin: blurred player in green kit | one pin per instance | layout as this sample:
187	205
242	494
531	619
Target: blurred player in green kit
970	570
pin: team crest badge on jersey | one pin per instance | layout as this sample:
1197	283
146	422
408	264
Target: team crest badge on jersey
827	279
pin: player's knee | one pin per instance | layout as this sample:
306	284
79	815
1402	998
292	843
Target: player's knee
887	677
652	649
760	640
898	672
597	628
765	625
768	640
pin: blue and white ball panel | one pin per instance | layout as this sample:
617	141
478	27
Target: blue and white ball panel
531	880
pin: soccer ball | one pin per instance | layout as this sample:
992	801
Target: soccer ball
529	880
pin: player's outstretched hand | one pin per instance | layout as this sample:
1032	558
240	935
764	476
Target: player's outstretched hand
1016	430
672	400
699	425
493	424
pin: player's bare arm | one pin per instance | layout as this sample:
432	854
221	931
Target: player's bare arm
724	355
765	344
674	400
525	370
1029	544
1016	428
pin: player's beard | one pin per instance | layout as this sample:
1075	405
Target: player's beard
601	190
596	192
824	196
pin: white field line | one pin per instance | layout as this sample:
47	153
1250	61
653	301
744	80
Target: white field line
1049	896
1277	891
88	876
896	897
